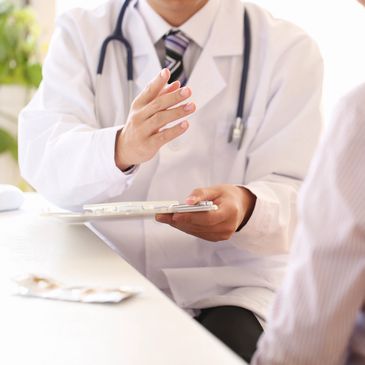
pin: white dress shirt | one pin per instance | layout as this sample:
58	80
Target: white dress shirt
197	29
318	317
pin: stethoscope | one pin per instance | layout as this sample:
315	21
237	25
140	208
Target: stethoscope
238	128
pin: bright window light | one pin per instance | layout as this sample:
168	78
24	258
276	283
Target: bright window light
339	29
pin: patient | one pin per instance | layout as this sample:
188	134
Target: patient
318	317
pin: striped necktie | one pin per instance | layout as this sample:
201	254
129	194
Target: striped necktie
175	44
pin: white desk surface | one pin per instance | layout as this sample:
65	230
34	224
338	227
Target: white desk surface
148	329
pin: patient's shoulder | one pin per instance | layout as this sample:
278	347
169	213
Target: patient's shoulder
354	100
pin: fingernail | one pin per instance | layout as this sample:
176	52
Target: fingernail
160	218
184	125
189	107
185	92
164	73
191	200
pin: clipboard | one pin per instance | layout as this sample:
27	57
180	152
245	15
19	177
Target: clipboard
129	210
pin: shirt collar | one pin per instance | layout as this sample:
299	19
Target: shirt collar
197	28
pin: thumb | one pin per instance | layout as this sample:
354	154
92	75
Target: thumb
202	194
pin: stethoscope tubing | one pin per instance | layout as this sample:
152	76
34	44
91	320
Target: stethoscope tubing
238	128
118	36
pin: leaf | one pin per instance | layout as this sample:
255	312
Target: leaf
19	48
8	143
5	7
34	74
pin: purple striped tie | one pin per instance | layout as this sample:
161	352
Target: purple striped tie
176	43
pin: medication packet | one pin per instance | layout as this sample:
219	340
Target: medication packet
41	287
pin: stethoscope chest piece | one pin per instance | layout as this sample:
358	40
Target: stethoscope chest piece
238	128
237	132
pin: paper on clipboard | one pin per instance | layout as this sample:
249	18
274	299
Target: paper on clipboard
129	210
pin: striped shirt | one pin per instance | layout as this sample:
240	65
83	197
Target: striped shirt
318	317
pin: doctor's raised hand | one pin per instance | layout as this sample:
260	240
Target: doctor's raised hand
152	110
235	207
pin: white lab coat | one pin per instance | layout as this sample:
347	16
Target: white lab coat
67	154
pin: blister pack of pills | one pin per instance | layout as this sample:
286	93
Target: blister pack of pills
41	287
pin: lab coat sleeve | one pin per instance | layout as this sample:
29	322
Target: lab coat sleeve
63	152
279	155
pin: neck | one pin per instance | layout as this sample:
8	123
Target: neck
176	12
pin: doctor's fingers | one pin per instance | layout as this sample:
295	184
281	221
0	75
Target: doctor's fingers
152	90
170	88
201	194
164	102
200	219
161	138
217	234
162	118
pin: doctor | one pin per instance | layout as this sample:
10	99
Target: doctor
81	141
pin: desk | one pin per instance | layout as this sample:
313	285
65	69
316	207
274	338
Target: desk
148	329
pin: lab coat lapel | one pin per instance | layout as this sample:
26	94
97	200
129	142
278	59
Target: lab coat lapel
205	81
225	40
146	68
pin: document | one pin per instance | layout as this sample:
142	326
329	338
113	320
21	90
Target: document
129	210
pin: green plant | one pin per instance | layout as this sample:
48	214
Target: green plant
19	59
8	143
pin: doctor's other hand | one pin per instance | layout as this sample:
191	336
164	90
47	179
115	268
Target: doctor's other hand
146	131
235	207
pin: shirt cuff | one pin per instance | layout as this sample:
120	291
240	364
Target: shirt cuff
130	170
259	222
261	233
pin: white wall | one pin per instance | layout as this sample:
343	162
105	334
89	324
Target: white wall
62	5
338	26
46	14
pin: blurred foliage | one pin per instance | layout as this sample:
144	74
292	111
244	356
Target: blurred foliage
19	33
8	143
19	57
